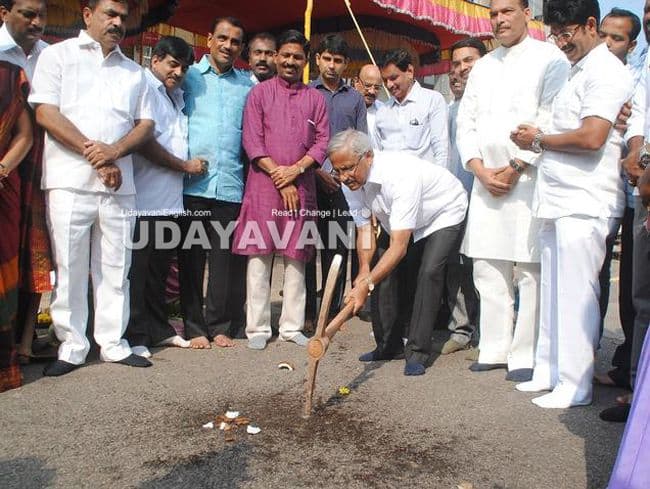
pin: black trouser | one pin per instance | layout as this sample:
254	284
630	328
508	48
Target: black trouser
336	217
623	352
640	286
604	278
432	254
226	294
148	323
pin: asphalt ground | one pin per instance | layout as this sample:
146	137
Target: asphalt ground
107	425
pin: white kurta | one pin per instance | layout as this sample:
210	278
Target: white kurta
507	87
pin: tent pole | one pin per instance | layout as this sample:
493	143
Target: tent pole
363	38
308	10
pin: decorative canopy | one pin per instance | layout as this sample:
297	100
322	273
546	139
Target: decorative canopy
425	27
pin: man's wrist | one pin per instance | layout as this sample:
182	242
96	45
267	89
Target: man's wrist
517	165
370	285
537	145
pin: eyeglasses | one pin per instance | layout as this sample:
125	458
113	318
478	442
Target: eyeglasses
350	169
368	86
563	37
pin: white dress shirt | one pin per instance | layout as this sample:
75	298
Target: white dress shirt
586	184
102	97
407	192
507	87
418	125
159	190
638	122
455	165
13	53
371	117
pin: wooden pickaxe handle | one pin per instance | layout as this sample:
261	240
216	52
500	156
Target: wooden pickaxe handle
318	346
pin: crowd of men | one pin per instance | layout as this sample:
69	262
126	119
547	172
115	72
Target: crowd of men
503	204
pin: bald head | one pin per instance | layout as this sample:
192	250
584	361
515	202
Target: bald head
368	83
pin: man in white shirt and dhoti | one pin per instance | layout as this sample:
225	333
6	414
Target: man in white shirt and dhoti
516	82
94	104
579	193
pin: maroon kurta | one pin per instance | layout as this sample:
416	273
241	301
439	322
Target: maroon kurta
284	122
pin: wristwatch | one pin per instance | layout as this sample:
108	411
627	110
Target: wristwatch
536	145
371	285
644	157
301	169
516	166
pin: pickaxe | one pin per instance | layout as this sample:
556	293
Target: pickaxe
319	343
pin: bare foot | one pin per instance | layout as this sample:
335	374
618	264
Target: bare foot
200	343
625	399
222	341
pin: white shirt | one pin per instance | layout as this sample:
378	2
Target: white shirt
371	117
638	124
159	190
506	87
418	125
586	184
455	165
406	192
102	97
13	53
254	78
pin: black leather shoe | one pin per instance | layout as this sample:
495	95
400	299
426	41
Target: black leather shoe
616	414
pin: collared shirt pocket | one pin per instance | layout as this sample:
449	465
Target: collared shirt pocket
415	132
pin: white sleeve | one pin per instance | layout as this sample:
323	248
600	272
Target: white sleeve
637	122
555	76
605	95
358	210
438	120
376	132
146	105
466	122
406	203
46	84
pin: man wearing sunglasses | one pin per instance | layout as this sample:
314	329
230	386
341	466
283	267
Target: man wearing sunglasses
411	198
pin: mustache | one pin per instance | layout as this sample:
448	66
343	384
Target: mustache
262	63
116	30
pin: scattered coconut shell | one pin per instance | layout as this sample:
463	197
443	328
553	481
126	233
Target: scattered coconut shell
253	430
221	419
242	420
465	485
208	426
229	436
286	366
232	414
222	426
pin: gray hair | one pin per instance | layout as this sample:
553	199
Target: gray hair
355	141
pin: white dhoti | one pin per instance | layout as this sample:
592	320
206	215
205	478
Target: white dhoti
90	230
258	297
573	250
502	339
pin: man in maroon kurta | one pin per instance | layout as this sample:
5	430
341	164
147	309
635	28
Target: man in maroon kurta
285	133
